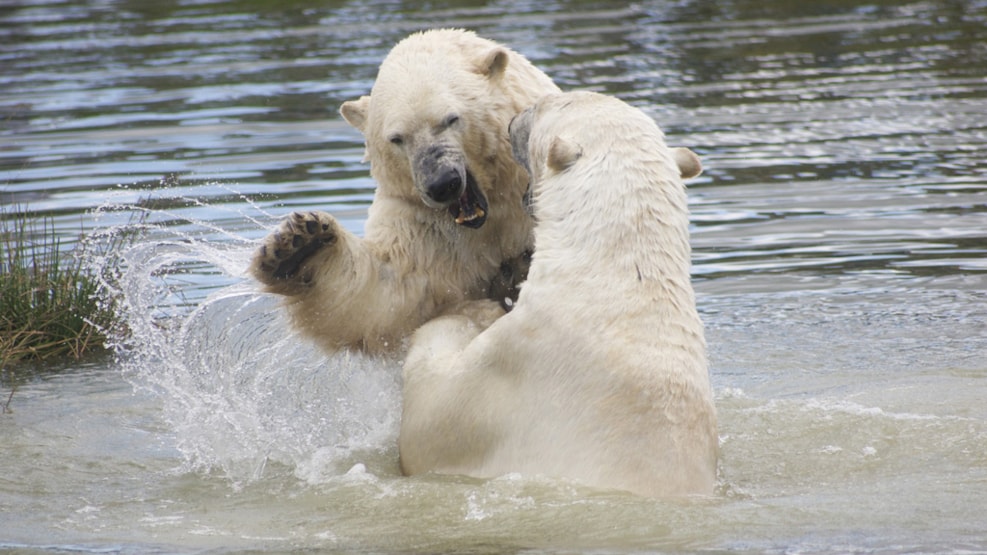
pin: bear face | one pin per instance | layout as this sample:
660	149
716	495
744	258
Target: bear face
435	121
426	141
434	148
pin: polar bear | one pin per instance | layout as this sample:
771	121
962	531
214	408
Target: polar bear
598	374
447	213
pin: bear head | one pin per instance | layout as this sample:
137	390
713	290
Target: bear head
558	148
436	118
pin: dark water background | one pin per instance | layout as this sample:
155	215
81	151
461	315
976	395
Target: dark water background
840	262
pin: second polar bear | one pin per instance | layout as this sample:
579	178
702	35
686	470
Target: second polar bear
447	213
599	372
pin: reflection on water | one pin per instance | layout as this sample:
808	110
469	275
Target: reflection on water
839	232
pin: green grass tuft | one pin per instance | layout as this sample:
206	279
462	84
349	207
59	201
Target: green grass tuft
49	302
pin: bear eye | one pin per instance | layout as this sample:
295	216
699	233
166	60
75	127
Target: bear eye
451	119
396	139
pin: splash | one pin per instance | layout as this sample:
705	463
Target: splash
239	388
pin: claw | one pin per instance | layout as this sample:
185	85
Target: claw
298	237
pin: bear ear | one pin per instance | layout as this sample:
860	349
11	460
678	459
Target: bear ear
562	154
355	112
688	162
494	63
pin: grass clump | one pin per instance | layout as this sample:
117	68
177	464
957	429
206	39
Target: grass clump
49	302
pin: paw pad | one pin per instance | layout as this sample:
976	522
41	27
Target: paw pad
298	237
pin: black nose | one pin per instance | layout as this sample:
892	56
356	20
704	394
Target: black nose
445	187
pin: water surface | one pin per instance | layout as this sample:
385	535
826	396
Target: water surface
839	234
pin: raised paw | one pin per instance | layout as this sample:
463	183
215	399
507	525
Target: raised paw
298	237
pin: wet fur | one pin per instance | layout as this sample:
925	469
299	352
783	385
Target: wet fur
414	261
599	372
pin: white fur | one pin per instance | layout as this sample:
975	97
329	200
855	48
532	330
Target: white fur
599	372
414	261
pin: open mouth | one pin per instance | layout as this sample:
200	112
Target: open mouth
470	209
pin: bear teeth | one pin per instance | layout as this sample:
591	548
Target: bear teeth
477	213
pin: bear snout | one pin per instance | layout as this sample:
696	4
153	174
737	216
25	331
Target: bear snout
445	187
439	175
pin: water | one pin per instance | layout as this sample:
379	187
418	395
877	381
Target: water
840	237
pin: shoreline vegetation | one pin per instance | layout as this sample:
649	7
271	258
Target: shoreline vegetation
50	302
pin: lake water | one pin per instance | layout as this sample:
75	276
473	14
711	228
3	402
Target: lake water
840	263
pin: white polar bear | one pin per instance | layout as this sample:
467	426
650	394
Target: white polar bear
599	372
447	213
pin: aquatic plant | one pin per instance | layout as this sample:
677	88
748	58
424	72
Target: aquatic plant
49	301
